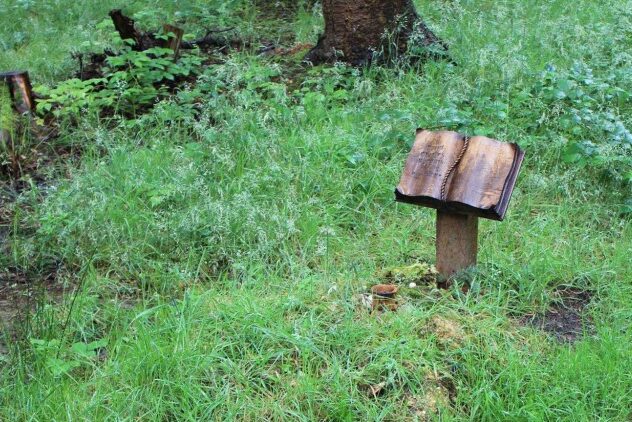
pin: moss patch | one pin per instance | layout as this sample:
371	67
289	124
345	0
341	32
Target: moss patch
418	273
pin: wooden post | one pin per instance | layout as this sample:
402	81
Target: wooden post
25	103
20	90
174	42
457	242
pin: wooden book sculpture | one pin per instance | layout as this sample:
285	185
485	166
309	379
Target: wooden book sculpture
463	178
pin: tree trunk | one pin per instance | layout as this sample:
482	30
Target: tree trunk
361	31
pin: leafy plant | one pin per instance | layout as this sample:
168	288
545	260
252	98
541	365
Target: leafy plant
73	96
59	360
133	80
588	111
589	114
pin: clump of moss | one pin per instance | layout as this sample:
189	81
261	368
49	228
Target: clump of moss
419	273
449	331
427	405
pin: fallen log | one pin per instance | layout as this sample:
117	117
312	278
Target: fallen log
210	40
126	27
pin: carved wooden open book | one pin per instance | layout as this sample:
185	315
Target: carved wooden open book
452	172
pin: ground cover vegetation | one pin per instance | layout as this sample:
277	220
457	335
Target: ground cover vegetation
214	238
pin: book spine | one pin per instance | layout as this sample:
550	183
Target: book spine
510	181
466	143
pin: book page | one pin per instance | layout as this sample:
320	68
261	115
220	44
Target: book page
480	177
428	163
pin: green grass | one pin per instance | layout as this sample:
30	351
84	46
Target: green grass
220	257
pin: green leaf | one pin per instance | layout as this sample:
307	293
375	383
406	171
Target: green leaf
574	153
59	367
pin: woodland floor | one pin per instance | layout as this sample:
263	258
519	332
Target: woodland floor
208	255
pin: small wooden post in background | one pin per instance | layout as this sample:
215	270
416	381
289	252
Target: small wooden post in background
457	242
174	42
19	86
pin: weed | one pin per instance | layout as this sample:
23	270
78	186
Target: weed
132	81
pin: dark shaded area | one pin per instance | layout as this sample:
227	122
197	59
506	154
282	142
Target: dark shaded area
565	319
91	65
126	27
216	40
282	9
20	292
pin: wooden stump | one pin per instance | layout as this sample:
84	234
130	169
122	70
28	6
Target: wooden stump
457	242
173	42
358	32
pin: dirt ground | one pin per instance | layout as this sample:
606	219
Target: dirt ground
566	318
19	293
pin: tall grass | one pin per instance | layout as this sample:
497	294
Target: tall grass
220	255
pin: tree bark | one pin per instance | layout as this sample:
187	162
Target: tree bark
362	31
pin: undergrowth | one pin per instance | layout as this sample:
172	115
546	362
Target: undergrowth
219	242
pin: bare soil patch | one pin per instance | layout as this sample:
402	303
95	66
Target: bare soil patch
19	294
565	319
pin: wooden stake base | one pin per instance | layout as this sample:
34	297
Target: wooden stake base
457	242
19	86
